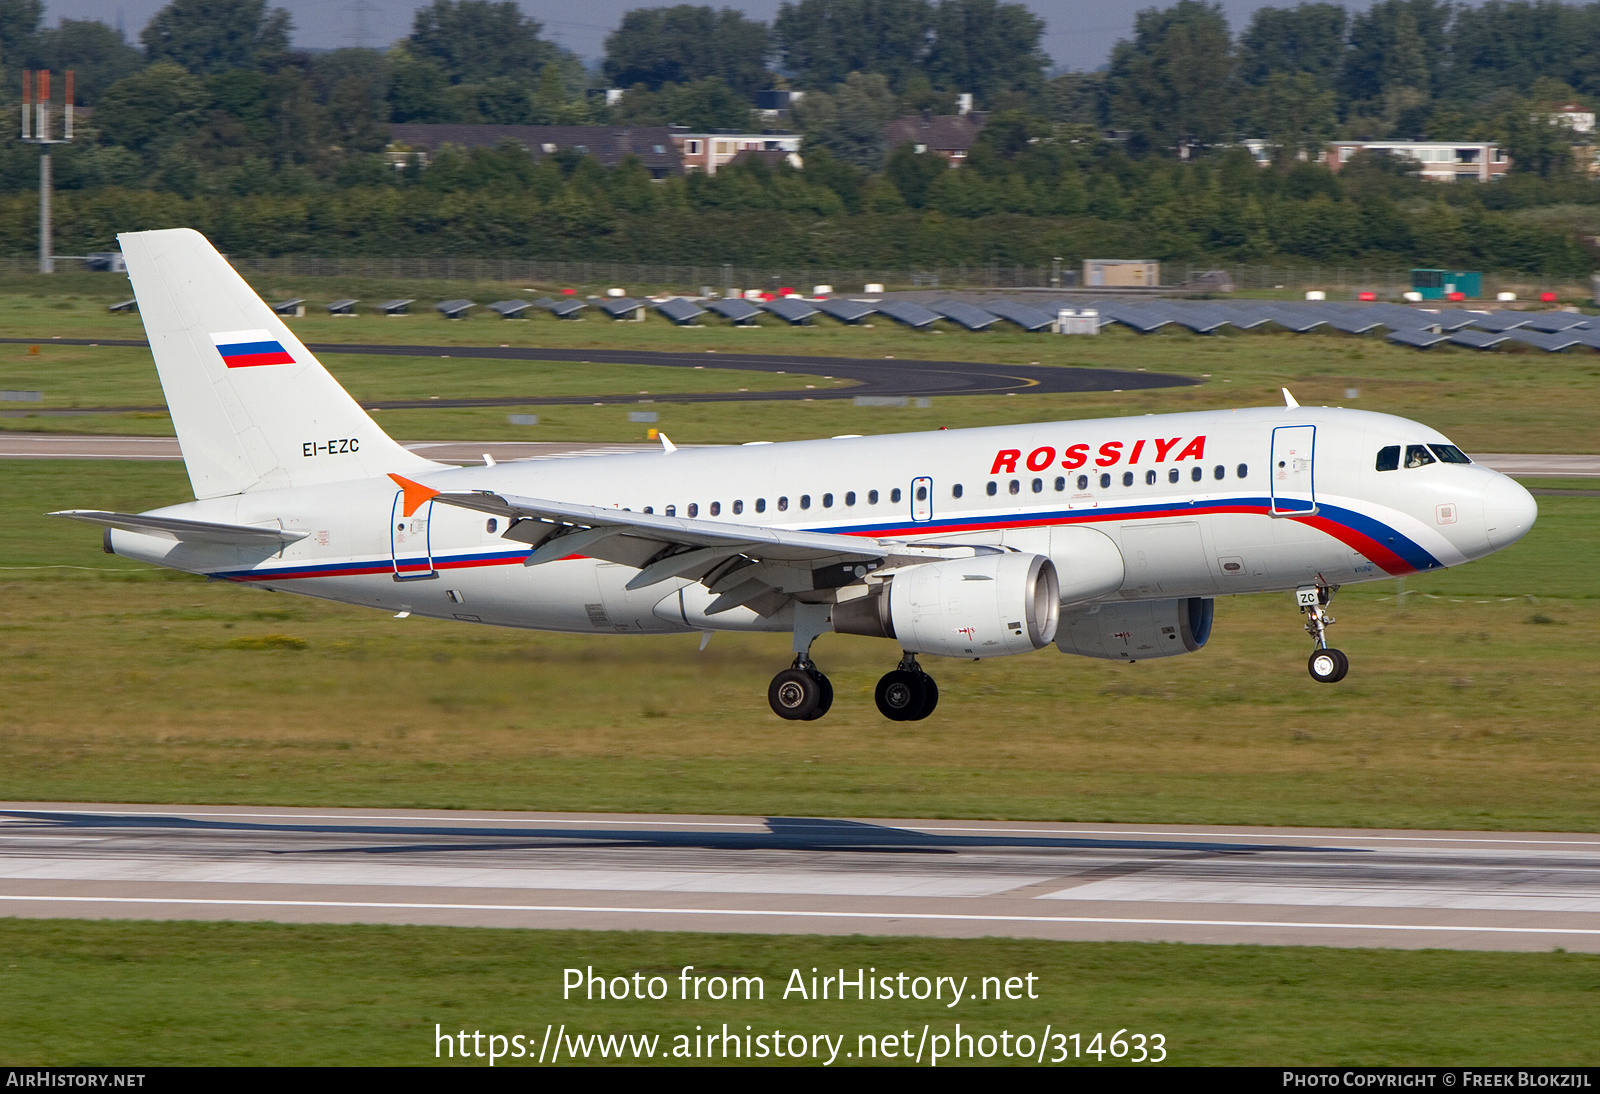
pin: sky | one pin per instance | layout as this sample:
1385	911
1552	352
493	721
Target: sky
1079	33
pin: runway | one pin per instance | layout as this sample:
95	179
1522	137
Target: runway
65	446
1200	884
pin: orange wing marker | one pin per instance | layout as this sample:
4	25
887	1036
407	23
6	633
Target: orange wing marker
415	493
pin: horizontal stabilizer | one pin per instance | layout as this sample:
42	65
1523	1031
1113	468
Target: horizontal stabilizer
189	531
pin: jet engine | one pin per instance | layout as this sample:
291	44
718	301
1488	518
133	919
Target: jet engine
1138	630
989	605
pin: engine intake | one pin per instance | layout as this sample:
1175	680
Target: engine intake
990	605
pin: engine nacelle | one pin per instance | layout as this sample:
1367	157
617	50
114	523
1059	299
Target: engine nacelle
990	605
1138	630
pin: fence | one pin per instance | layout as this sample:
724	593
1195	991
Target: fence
644	276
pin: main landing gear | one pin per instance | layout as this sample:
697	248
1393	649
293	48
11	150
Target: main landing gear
907	694
1326	665
800	693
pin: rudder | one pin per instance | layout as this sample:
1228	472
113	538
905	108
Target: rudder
252	407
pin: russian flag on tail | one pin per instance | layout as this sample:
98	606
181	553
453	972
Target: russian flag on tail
248	348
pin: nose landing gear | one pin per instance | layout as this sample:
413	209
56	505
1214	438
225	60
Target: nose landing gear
907	694
1326	665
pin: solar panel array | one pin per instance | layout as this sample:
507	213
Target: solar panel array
791	308
1552	331
565	308
912	315
740	311
620	307
680	310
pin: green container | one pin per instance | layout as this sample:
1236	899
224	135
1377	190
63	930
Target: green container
1439	284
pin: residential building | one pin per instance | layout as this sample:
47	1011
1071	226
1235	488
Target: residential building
654	145
1574	117
950	135
720	147
1437	161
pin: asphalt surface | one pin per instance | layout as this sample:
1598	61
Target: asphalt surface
1332	887
884	377
60	446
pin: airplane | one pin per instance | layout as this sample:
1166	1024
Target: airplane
1110	538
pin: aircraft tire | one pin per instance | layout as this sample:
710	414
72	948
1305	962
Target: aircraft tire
901	695
795	695
930	698
1328	666
825	702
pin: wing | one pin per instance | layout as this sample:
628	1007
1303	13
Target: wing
189	531
742	564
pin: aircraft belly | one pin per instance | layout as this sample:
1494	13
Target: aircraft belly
1165	558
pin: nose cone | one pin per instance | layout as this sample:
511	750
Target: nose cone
1508	512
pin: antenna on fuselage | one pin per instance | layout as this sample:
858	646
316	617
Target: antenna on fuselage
1288	400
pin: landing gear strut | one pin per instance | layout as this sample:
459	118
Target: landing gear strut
1326	665
801	693
907	694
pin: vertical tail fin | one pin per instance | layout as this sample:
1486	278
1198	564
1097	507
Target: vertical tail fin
253	409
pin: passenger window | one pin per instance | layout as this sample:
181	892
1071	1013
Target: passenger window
1172	476
761	505
1449	453
922	493
827	501
1243	470
738	507
1196	474
716	508
694	509
1219	472
894	495
1105	482
1149	478
872	496
491	525
1417	456
647	509
805	501
783	504
850	498
955	491
1389	458
672	510
1061	483
1127	478
1015	487
1038	486
1083	482
992	489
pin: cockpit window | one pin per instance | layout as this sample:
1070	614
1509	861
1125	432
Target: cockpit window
1389	458
1417	456
1449	453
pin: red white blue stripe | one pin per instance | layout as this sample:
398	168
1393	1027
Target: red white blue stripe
249	348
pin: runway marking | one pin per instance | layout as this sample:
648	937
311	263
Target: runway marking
834	826
807	914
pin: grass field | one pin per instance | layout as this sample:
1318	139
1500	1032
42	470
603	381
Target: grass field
1501	401
133	994
1470	704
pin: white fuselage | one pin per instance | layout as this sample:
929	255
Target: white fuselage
1197	505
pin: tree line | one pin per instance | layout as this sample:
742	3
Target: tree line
214	120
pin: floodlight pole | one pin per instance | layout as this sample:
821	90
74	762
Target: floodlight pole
36	130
